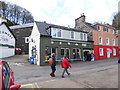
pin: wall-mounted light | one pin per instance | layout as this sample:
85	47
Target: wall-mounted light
76	44
68	43
52	42
60	43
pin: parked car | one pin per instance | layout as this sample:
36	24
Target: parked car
18	51
7	77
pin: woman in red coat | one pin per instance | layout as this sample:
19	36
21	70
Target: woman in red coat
65	64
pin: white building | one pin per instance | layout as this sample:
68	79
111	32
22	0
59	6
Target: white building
7	41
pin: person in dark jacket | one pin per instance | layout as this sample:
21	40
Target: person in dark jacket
53	65
65	64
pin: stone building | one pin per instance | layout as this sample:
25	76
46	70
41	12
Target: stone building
22	33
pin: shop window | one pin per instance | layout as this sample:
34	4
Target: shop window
65	52
76	53
49	51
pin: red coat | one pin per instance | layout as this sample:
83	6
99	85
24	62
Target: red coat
65	63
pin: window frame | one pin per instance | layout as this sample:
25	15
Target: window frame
100	40
107	41
101	51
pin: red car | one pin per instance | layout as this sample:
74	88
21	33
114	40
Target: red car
18	51
7	77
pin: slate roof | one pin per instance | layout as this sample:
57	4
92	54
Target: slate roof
91	25
22	26
43	26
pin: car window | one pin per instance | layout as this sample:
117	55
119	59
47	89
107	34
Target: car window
6	75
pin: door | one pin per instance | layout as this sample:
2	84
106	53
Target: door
108	53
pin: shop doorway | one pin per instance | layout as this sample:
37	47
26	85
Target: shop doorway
65	52
108	53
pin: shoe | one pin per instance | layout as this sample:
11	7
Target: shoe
68	74
63	77
52	75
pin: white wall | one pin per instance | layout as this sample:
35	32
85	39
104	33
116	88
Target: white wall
6	52
35	35
6	39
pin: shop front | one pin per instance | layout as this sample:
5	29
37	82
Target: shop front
74	51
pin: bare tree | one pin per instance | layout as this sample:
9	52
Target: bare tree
15	13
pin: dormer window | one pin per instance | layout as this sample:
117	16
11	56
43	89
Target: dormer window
105	29
98	27
72	35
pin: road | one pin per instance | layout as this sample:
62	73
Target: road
97	74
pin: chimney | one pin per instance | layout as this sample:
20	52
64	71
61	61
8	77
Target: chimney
79	20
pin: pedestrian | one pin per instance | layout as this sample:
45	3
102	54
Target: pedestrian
92	57
65	64
52	61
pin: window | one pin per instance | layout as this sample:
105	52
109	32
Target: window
59	33
101	51
81	36
113	31
107	41
100	40
26	39
76	53
56	32
84	36
113	42
65	51
6	75
105	29
53	32
72	35
114	52
49	51
98	27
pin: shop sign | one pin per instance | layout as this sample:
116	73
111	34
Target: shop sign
4	36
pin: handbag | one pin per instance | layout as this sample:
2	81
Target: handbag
50	61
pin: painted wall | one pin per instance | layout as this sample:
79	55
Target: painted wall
97	52
35	41
7	42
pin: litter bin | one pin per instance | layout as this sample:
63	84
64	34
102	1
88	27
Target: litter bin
31	60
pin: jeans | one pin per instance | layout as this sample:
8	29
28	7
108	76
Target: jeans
53	68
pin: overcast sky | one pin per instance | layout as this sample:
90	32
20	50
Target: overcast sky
64	12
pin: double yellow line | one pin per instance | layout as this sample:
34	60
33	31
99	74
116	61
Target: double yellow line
25	85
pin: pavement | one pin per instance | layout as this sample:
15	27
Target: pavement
97	74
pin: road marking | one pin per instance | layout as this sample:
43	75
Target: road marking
24	85
36	85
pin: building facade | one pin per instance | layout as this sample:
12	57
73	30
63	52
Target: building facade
48	38
7	41
104	36
22	33
105	41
